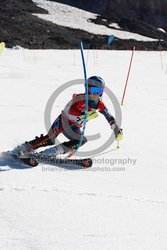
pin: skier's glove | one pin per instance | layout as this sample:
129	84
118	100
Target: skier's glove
117	131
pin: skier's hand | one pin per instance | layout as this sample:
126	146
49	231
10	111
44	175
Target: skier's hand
117	131
119	135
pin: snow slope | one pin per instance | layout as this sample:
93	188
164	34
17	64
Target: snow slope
75	18
110	206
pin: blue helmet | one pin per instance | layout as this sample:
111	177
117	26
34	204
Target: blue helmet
96	81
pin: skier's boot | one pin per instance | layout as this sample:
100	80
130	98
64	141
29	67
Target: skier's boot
29	146
53	151
19	150
62	148
41	141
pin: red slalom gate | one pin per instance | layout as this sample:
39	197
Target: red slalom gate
128	75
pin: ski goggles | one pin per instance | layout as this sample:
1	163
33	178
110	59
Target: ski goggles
95	90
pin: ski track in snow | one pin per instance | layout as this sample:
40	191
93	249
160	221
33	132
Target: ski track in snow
75	18
68	192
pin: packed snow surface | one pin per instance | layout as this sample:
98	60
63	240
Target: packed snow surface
121	202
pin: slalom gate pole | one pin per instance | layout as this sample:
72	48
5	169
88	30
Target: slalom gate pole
162	67
88	50
128	75
86	103
85	116
2	46
74	55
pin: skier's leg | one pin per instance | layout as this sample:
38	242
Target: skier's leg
41	141
66	147
73	133
29	146
48	139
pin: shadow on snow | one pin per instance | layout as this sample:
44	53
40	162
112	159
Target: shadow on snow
9	163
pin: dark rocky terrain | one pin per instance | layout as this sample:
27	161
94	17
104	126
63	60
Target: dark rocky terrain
19	27
153	12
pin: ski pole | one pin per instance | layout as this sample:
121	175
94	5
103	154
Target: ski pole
117	144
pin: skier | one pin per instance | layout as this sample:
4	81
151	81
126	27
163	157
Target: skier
69	122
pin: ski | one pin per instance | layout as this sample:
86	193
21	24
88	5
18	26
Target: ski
34	159
26	160
52	160
30	161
